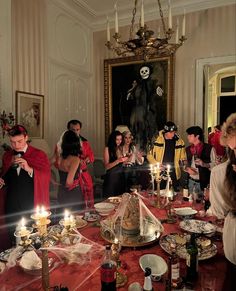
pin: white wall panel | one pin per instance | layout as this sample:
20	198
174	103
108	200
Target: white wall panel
71	92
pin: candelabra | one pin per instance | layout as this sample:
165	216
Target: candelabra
121	278
41	222
158	175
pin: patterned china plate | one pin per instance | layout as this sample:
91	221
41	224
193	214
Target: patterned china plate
115	199
206	249
81	223
197	226
92	217
5	254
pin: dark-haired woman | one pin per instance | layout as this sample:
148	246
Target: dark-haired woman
114	182
223	198
70	195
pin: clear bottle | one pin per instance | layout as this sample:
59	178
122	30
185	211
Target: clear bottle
174	267
147	285
195	193
108	271
207	203
192	259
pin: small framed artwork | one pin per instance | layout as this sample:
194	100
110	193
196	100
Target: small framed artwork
138	95
30	113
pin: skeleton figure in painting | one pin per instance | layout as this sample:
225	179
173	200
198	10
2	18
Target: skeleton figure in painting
146	95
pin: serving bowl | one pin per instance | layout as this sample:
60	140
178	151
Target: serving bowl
156	263
185	212
104	208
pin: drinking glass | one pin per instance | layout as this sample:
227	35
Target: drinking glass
208	281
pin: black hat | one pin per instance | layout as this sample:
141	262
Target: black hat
170	126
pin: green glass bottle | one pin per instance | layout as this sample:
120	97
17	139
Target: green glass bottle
192	259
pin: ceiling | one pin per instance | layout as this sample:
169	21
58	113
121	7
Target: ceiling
96	11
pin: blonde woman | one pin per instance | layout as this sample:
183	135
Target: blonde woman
223	197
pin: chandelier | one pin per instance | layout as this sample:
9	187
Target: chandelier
144	44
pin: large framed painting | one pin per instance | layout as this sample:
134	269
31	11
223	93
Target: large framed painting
29	113
139	95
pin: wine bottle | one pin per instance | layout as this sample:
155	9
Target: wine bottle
192	259
147	286
108	271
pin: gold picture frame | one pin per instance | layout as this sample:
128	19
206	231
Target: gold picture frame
119	77
30	113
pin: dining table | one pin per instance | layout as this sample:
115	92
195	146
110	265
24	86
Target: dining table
86	276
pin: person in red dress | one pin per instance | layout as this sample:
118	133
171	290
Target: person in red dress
24	179
87	157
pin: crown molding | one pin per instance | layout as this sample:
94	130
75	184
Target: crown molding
97	17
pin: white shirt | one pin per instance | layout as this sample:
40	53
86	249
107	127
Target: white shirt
220	209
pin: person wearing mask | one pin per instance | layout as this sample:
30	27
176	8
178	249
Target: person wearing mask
168	149
86	157
114	181
201	159
25	178
223	198
70	195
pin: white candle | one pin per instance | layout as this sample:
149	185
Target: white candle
142	15
66	215
169	16
108	30
116	20
159	32
177	32
168	169
23	227
183	24
158	170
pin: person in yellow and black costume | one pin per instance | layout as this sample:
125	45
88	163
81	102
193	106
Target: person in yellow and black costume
168	149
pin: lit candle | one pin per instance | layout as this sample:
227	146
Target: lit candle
177	32
116	240
142	15
67	218
169	16
151	168
108	30
23	230
183	24
168	169
116	20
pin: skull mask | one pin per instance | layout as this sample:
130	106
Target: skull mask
144	72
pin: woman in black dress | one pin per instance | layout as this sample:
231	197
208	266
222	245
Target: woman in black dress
70	195
114	182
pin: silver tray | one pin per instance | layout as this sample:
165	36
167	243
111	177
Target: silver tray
204	253
151	236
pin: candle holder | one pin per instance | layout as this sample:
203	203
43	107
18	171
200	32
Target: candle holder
158	175
24	234
121	278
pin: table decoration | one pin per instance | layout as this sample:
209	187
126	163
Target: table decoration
158	174
132	224
121	278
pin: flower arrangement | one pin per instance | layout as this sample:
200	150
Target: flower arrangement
7	121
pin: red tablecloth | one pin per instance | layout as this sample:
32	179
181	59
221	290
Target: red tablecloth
73	275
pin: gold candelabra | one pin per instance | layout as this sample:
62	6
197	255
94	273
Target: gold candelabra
157	174
41	222
121	278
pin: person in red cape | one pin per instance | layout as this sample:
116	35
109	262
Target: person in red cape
24	179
